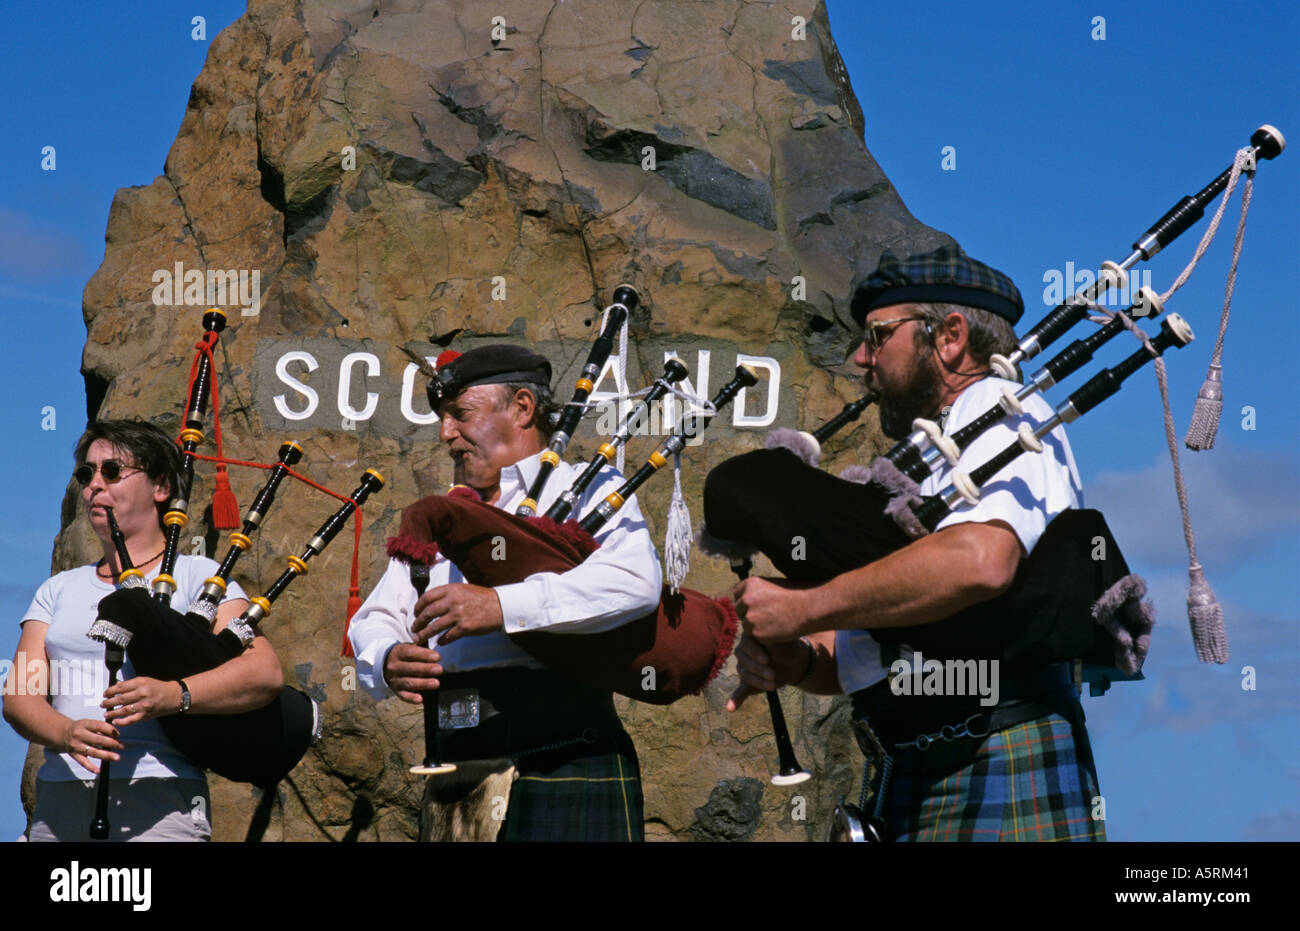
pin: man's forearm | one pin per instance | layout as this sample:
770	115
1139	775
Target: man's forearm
929	580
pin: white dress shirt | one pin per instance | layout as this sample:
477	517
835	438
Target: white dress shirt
1027	495
618	583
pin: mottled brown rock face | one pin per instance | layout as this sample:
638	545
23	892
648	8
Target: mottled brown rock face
379	185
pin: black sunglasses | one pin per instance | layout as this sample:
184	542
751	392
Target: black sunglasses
111	469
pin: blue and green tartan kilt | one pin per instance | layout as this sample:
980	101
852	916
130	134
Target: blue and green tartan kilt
593	794
1032	782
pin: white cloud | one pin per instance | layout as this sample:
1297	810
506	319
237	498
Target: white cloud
1242	501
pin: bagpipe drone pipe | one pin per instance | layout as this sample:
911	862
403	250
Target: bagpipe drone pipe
258	746
685	641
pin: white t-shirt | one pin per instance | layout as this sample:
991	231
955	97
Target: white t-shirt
1027	495
68	603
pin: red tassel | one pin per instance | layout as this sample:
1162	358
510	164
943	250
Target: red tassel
354	605
354	589
225	507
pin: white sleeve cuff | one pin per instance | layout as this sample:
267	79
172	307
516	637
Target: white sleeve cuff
370	668
518	600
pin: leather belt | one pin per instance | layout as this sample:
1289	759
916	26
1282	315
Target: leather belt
919	721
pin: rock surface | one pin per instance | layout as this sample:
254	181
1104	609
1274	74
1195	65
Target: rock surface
401	182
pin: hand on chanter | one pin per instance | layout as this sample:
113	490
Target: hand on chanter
766	668
771	612
88	740
140	699
410	669
449	612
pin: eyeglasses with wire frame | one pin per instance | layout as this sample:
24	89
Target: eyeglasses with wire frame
113	470
873	329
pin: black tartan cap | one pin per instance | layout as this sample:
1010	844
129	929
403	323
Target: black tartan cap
945	276
488	365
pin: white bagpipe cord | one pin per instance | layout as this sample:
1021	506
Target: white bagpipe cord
1203	610
1209	400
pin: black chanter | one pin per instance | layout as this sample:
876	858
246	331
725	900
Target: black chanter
419	573
625	301
430	766
789	772
128	578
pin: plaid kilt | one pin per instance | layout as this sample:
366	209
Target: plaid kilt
1032	782
585	792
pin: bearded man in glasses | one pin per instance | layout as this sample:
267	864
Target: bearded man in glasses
999	752
55	694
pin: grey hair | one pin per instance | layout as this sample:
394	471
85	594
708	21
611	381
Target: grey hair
989	333
547	416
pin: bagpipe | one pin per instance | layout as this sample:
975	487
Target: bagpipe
1064	603
684	643
259	746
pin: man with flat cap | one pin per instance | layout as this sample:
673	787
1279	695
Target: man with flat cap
538	756
1013	761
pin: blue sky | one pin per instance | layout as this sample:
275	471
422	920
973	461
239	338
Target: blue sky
1067	148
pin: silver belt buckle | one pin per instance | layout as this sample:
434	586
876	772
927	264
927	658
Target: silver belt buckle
458	708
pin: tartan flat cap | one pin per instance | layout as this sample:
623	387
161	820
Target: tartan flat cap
945	276
495	364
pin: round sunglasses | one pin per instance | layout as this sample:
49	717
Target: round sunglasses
112	470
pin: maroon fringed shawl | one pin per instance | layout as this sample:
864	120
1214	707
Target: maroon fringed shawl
684	643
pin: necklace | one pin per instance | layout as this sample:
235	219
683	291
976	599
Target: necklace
145	563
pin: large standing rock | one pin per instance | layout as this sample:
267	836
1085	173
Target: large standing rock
400	180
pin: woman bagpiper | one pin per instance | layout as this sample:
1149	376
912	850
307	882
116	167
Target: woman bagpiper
126	469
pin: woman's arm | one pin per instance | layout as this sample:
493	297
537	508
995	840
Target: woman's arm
245	683
32	716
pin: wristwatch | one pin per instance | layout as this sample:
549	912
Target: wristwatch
185	697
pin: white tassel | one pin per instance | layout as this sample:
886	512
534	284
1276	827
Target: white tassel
677	541
1206	616
1206	413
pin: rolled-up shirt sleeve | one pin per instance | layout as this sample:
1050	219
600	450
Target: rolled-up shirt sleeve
618	583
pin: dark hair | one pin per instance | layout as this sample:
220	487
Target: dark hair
547	416
149	447
989	333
